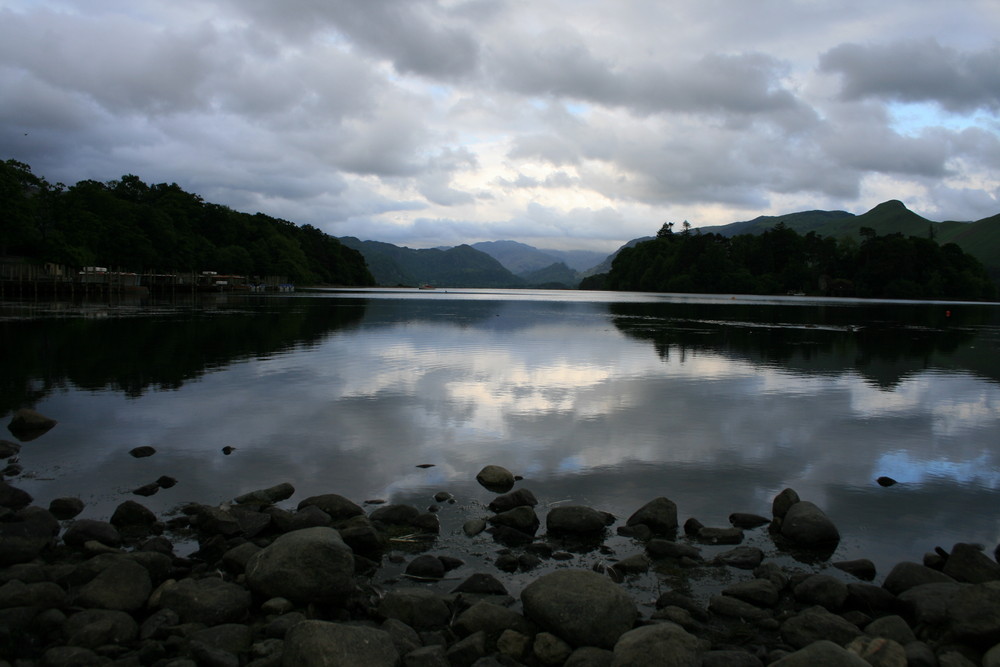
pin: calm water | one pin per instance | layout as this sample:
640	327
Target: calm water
603	399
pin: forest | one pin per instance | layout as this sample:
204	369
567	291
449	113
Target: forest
129	225
781	261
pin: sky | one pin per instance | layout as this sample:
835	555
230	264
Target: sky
566	124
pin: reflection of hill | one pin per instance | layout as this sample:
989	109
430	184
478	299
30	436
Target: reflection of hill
162	350
885	343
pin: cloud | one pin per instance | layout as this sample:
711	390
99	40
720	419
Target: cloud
452	120
917	70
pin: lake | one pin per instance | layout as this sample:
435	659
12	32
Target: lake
595	398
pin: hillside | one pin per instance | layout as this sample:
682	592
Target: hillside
461	266
981	238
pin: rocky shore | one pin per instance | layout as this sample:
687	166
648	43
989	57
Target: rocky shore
272	587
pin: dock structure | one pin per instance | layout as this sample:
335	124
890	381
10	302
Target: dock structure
21	276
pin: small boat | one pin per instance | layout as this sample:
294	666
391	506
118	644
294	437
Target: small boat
426	286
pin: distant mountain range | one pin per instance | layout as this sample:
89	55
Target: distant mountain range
514	264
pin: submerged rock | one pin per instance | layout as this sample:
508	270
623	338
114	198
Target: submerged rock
26	424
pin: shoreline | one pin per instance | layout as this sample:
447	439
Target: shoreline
271	586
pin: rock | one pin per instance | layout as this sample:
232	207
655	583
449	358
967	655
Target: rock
821	653
927	604
885	481
870	599
496	478
425	566
807	525
42	595
821	589
745	520
491	619
216	521
905	575
308	565
862	568
166	482
589	656
12	497
65	508
233	638
891	627
338	507
473	527
428	656
583	608
550	650
744	558
659	515
131	515
815	624
759	592
312	643
419	608
82	531
142	452
974	613
404	638
147	490
967	562
660	548
692	527
635	564
92	628
236	559
26	424
482	584
725	605
664	644
267	496
577	519
70	656
123	585
514	645
509	501
522	518
467	651
730	658
878	651
24	540
783	502
210	601
395	515
8	449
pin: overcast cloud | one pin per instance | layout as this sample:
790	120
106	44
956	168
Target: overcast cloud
558	123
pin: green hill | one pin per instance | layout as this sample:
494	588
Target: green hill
461	266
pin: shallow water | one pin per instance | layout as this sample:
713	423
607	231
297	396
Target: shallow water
595	398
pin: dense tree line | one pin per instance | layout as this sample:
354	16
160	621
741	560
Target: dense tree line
780	261
129	225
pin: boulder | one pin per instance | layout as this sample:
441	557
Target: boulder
974	613
746	520
308	565
425	566
662	644
821	653
131	516
82	531
783	502
878	651
927	604
395	515
509	501
522	518
8	449
496	478
743	558
725	605
65	508
814	624
659	515
660	548
581	607
862	568
23	541
968	563
712	535
142	452
577	519
210	601
481	583
338	507
26	424
41	594
314	643
491	619
906	574
267	496
12	497
821	589
807	525
759	592
123	585
419	608
92	628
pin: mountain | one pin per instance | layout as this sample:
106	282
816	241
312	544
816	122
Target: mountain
981	238
521	258
461	266
605	266
554	276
